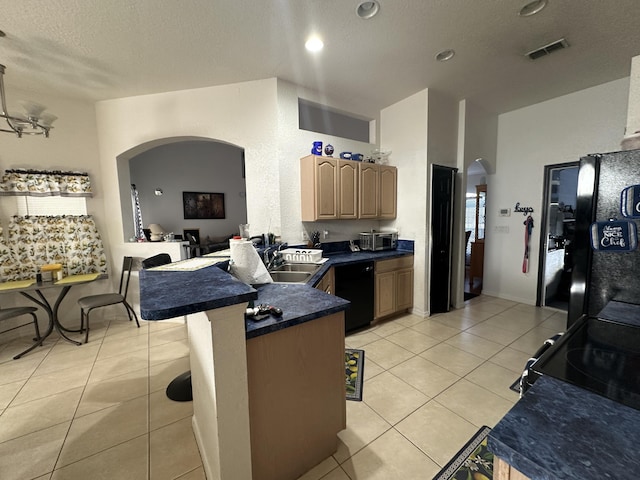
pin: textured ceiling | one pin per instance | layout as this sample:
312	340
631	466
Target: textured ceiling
97	49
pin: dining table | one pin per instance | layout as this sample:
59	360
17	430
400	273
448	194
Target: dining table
34	291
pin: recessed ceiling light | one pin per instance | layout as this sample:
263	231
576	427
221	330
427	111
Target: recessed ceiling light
367	10
532	8
445	55
314	44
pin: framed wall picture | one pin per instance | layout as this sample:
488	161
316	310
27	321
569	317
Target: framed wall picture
201	205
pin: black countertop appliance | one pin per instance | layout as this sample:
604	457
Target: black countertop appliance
355	282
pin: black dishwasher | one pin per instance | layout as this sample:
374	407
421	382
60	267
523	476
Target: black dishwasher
355	282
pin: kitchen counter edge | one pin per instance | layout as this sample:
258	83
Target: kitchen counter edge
560	431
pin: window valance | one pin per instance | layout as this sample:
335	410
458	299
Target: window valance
42	183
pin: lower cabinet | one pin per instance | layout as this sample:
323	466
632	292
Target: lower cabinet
327	284
394	286
296	394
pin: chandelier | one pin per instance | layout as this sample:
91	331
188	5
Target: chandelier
34	122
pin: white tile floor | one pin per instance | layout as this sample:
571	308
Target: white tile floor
99	411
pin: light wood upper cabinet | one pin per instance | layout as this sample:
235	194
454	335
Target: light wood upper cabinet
333	188
369	190
347	189
388	185
319	186
378	191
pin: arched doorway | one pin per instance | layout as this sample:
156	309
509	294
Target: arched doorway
163	170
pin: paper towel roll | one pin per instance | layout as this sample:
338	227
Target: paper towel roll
246	264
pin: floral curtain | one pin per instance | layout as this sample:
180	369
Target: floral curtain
33	241
42	183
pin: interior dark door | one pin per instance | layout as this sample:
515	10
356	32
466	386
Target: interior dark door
442	191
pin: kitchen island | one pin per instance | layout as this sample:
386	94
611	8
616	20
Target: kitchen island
560	431
269	396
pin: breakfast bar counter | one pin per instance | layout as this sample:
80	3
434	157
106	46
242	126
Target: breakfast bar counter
269	395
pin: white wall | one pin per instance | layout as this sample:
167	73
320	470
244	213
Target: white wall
477	138
241	114
190	166
294	144
551	132
403	130
633	115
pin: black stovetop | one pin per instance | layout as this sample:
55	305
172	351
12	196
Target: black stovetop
599	354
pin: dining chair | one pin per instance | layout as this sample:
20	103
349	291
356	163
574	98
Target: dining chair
87	304
193	245
156	260
14	312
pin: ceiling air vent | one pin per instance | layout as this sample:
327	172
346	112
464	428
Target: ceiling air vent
547	49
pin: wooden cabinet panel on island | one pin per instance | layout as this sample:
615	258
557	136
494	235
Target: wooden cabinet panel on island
344	189
393	286
503	471
297	394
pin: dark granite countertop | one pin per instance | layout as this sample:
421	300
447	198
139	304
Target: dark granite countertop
168	294
165	294
560	431
345	258
299	303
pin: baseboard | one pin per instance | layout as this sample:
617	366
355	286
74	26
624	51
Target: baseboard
205	460
526	301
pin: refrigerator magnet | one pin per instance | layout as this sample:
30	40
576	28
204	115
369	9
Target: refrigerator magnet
614	236
630	202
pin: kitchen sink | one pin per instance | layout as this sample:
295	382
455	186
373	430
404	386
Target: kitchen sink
293	272
290	277
297	267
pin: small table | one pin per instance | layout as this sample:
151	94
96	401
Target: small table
25	287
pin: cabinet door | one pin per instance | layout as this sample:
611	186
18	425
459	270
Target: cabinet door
348	189
404	289
368	190
326	188
385	294
327	283
388	177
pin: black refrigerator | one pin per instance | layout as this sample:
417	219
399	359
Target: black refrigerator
606	263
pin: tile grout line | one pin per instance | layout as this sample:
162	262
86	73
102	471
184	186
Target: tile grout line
84	388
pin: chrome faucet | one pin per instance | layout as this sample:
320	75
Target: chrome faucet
272	257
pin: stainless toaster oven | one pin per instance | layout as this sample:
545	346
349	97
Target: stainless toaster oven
378	240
